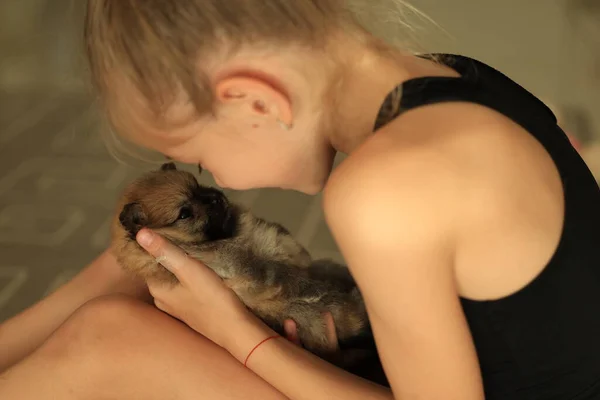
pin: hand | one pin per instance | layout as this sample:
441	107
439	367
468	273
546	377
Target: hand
292	334
201	299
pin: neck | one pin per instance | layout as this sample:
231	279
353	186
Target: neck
365	86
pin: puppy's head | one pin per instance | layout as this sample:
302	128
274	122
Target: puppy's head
172	203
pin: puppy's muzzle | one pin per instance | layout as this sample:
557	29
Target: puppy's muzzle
132	219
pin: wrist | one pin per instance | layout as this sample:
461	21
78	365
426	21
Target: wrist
252	333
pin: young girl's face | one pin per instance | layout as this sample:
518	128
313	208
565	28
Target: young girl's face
242	149
267	67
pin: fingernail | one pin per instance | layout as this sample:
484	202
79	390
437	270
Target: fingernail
145	238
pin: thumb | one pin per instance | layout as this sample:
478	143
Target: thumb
291	331
167	254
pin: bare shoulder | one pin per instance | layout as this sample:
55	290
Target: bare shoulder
439	171
391	208
408	179
386	193
411	212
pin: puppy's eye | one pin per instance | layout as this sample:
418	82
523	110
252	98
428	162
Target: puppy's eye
185	213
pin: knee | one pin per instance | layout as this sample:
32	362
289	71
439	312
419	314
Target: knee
105	328
115	314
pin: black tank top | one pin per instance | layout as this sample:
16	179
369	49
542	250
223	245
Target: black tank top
542	342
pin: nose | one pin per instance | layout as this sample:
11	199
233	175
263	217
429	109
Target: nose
132	219
210	196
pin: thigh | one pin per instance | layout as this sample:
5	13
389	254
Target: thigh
124	349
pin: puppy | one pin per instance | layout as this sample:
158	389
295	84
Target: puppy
272	274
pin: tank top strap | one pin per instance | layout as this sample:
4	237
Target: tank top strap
500	93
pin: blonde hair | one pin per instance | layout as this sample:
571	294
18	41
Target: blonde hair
157	45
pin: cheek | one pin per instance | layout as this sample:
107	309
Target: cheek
248	162
233	165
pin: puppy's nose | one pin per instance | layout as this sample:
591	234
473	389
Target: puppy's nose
132	219
210	197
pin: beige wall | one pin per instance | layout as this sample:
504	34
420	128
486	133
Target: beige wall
40	43
532	41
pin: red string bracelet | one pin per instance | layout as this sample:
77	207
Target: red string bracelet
257	346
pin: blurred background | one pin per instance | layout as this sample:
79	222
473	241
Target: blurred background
58	183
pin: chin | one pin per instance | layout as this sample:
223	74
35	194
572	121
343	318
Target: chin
314	190
309	189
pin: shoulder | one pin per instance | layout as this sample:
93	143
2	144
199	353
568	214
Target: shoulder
428	175
390	202
394	207
414	170
382	183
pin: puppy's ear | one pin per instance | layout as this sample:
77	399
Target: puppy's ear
133	218
170	166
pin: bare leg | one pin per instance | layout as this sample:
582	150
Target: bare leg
118	348
22	334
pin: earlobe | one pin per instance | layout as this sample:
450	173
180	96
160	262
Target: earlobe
256	96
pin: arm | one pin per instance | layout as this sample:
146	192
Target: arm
393	216
399	245
22	334
298	374
207	305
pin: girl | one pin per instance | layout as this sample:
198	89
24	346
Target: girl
468	220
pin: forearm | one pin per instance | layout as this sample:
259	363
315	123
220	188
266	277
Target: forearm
300	375
23	333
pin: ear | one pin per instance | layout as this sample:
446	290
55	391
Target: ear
170	166
132	218
255	97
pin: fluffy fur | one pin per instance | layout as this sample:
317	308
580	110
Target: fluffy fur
272	274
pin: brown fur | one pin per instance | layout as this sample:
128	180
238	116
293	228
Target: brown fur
272	274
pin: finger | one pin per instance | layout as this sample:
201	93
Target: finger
160	305
166	254
159	289
331	332
172	257
291	331
165	308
